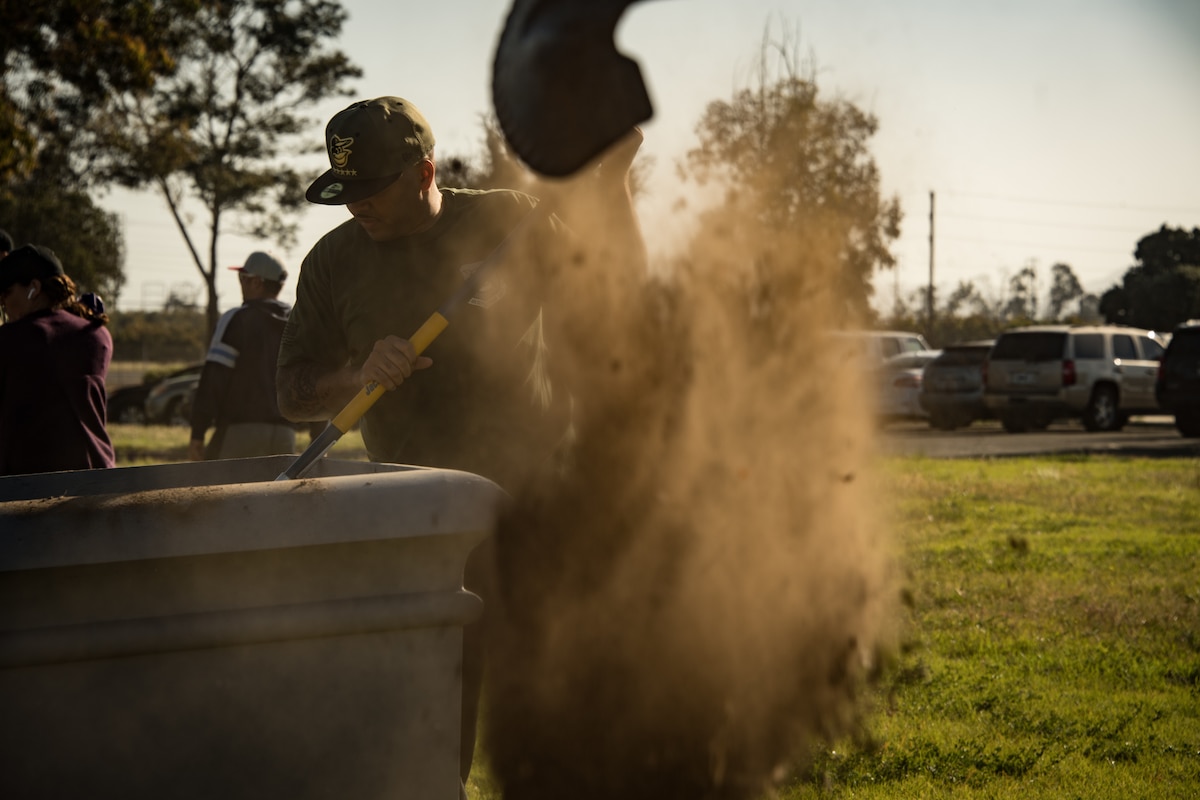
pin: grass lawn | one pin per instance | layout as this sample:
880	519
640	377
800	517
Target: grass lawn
1053	647
161	444
1052	640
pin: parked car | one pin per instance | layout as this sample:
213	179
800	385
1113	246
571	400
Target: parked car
169	402
1178	385
878	346
952	388
1101	374
127	404
899	379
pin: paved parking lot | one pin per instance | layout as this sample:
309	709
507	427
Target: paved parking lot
1143	436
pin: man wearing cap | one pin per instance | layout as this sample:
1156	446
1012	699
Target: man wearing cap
54	357
377	277
236	394
490	397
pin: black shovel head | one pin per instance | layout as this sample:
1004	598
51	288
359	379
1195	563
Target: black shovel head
562	92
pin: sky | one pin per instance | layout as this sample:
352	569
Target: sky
1047	131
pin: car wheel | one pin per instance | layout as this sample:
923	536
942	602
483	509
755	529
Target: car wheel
1188	425
1102	413
177	414
1014	423
127	414
943	422
1040	421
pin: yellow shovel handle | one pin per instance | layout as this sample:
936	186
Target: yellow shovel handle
366	397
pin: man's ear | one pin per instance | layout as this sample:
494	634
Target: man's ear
428	172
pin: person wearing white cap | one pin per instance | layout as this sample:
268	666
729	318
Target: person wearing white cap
236	395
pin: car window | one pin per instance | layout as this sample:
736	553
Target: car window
1089	346
1123	347
879	345
1151	350
910	362
889	347
1030	346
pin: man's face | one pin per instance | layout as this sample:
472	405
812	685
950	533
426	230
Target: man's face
252	286
399	210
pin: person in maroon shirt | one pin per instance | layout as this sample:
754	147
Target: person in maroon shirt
54	357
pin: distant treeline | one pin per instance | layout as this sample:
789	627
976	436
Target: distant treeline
172	335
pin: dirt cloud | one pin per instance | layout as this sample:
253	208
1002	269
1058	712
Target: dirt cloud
700	597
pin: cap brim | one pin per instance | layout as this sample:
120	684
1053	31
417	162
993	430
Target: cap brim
334	190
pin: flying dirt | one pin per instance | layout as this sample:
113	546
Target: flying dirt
702	593
699	596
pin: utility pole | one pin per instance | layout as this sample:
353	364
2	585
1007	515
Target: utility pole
929	289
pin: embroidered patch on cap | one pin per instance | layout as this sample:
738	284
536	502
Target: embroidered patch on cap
339	150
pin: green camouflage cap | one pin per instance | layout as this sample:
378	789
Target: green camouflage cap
370	143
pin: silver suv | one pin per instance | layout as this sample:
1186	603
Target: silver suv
1100	374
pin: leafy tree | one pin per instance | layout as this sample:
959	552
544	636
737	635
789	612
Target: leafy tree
970	312
63	61
216	130
177	333
1163	289
1089	310
86	238
1023	295
1064	290
799	167
965	315
493	167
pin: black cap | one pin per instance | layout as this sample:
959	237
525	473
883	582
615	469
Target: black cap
26	263
370	143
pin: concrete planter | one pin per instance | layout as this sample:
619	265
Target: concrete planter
200	630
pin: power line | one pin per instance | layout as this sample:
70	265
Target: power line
1075	203
1011	243
1044	224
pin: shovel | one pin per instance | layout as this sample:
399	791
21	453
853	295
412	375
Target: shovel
563	93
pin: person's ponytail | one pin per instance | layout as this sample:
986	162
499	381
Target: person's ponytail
61	291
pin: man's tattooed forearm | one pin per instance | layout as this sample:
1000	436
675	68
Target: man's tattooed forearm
298	385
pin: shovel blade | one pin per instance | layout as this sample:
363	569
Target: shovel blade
563	93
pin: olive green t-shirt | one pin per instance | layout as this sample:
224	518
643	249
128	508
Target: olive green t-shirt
488	403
